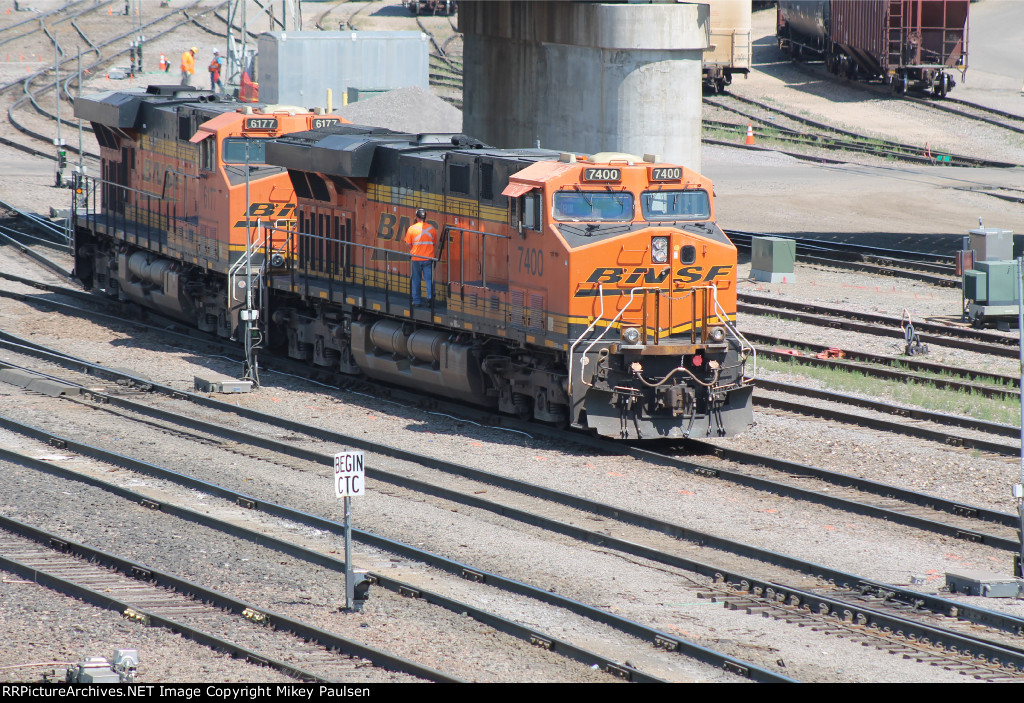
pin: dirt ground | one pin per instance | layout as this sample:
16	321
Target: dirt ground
780	195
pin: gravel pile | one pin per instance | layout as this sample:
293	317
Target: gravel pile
412	109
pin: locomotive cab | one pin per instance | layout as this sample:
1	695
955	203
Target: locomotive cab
652	346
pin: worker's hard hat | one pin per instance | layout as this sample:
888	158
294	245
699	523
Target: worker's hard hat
421	213
216	51
194	50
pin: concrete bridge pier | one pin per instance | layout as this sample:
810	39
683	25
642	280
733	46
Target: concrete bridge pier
585	77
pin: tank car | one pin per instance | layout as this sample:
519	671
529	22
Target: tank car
591	290
728	53
909	44
184	180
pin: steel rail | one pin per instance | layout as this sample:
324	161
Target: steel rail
944	606
100	61
35	256
823	142
985	339
649	634
824	317
951	507
904	428
943	107
970	423
848	247
886	147
127	567
1005	388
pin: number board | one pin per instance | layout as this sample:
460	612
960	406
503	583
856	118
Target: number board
602	174
661	173
320	122
266	123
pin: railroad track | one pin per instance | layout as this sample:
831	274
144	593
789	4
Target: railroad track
772	124
936	269
939	334
33	95
156	598
903	369
900	426
949	105
876	620
292	457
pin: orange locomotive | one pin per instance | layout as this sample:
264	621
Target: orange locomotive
167	224
596	291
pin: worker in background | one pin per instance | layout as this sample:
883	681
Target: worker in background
215	67
188	65
421	237
165	65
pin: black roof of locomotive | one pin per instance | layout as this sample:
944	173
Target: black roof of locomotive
348	150
120	109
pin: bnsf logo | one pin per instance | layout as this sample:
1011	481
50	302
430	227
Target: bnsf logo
391	227
267	211
686	274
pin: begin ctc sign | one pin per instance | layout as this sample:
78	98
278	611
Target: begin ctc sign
349	474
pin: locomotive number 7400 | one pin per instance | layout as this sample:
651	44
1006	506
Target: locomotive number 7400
531	260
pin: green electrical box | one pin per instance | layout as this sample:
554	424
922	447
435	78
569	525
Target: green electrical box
974	286
1001	281
772	259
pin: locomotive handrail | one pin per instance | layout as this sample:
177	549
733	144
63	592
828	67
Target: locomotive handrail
583	356
389	255
600	297
723	316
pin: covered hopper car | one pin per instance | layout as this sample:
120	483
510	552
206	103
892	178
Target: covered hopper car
908	44
596	291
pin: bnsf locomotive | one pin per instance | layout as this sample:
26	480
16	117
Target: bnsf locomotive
591	290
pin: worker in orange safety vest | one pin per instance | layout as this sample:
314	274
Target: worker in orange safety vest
421	237
188	65
165	65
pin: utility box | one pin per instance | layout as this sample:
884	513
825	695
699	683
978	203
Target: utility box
298	68
221	384
983	583
772	259
1001	283
992	244
976	286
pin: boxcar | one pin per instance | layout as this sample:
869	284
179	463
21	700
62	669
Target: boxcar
905	43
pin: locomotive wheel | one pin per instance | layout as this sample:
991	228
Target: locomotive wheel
523	408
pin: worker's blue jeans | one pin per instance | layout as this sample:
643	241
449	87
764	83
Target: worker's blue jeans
422	270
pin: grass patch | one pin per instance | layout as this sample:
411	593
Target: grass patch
922	395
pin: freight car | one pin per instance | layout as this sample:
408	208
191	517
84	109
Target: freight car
728	52
908	44
596	291
433	7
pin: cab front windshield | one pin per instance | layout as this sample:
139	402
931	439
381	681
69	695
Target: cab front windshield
235	148
675	205
593	206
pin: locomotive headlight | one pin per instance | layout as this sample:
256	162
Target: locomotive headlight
716	335
631	335
659	250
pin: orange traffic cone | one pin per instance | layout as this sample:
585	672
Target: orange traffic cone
750	135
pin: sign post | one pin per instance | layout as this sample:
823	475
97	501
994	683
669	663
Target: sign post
349	480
